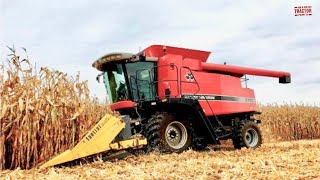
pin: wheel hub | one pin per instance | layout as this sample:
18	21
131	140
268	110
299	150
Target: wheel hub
251	137
173	134
176	135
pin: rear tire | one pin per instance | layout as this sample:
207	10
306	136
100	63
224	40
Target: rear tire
167	133
247	135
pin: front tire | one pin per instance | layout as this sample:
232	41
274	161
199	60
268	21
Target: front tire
247	135
168	133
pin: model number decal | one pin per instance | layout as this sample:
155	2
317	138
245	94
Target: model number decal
200	97
219	98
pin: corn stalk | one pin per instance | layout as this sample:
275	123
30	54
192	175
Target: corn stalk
42	112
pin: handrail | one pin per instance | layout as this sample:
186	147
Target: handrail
205	118
195	81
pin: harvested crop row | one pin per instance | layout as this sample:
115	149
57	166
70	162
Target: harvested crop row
281	160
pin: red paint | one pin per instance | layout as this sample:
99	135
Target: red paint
160	50
185	72
212	79
238	70
122	105
225	107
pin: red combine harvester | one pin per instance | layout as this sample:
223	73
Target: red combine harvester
180	100
171	99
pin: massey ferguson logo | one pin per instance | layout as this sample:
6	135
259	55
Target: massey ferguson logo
189	77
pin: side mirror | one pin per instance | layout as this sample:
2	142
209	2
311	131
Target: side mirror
98	77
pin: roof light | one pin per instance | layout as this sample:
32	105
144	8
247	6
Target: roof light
113	57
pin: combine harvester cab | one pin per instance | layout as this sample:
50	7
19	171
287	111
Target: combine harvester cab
172	99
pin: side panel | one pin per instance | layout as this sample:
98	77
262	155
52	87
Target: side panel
217	93
168	75
225	107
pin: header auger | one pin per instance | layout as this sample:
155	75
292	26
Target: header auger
171	99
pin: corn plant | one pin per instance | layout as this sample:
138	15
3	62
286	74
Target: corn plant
43	112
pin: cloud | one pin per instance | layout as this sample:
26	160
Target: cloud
70	35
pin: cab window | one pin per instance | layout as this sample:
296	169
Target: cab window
141	76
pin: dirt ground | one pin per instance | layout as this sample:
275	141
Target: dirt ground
283	160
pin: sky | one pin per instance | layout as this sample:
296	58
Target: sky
70	35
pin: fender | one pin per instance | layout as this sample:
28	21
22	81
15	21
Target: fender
122	105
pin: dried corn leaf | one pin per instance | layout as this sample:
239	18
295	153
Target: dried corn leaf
34	107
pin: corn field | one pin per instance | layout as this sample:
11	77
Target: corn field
290	122
44	112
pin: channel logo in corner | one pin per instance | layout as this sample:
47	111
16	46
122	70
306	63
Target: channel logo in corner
303	11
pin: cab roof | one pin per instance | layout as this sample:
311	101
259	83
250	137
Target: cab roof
111	57
152	52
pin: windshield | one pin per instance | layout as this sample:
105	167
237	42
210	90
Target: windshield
115	84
